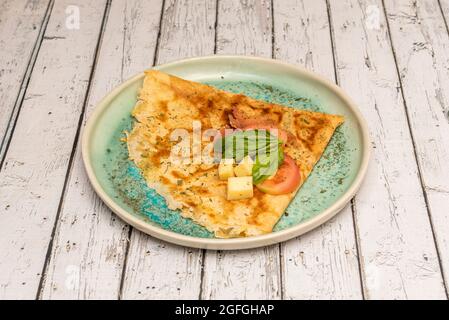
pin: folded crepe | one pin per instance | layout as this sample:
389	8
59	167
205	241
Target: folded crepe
167	104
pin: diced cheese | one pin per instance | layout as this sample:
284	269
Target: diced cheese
245	167
226	169
240	188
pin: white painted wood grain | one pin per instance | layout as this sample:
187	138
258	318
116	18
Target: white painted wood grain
247	274
323	263
421	42
302	35
20	25
188	30
159	270
398	256
90	242
444	4
244	27
33	174
397	251
155	269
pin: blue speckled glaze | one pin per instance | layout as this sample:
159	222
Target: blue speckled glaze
329	180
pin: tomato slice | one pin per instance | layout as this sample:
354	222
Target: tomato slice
286	179
238	120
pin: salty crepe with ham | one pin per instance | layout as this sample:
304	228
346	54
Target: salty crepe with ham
167	104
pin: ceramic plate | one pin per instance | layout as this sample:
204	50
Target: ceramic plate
332	184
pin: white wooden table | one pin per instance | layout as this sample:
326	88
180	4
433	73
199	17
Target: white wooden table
58	240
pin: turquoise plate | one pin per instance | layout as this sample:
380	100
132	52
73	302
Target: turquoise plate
333	182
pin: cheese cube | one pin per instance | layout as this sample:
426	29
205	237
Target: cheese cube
245	167
240	188
226	169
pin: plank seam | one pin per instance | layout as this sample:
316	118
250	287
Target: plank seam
158	39
131	229
203	262
125	264
353	208
273	56
217	5
420	175
203	251
125	29
72	154
273	36
444	17
331	32
363	290
11	126
281	274
279	245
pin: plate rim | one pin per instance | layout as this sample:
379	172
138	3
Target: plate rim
232	243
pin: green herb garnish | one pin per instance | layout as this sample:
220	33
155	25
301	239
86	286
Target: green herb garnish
267	165
265	148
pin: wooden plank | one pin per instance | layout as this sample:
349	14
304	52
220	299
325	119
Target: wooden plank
90	243
159	270
421	49
439	198
397	251
247	274
444	7
35	166
243	27
321	264
22	24
155	269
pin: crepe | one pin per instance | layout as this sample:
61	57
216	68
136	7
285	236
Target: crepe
167	103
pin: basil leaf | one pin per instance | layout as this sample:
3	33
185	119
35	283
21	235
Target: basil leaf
259	144
242	143
267	164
